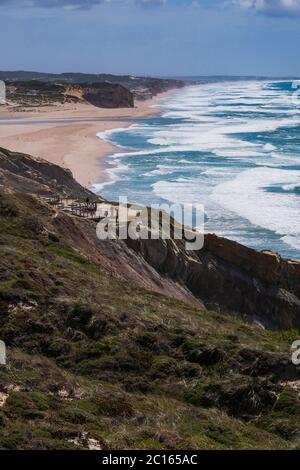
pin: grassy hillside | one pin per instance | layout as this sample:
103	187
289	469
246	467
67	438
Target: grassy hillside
95	362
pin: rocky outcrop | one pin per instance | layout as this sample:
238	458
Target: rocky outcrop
229	277
107	95
123	263
224	276
27	174
266	265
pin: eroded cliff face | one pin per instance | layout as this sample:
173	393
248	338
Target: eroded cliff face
224	276
122	261
108	95
229	277
37	93
27	174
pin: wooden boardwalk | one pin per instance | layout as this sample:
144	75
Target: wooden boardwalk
83	208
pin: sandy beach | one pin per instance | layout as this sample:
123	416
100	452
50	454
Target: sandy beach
74	144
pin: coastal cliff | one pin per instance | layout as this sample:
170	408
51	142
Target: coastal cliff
107	95
229	277
104	337
37	93
27	174
224	276
29	89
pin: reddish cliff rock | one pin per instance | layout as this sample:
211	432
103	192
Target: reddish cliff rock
229	277
108	95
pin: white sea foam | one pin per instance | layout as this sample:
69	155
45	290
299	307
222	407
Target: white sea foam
293	241
113	172
217	141
181	191
107	135
247	195
292	187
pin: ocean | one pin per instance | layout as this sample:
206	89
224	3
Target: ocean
233	146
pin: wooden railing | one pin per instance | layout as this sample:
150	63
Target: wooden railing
86	209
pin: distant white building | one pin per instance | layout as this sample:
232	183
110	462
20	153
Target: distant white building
2	92
2	353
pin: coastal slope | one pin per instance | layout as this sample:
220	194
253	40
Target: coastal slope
124	365
223	275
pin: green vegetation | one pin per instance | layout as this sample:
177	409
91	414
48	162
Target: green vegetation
94	358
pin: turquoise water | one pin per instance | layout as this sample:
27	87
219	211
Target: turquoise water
233	147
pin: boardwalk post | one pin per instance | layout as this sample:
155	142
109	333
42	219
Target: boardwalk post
79	207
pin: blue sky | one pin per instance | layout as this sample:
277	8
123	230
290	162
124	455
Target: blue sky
152	37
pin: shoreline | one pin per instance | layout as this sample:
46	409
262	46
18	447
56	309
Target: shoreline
74	145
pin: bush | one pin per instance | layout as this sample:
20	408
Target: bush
7	208
288	402
29	405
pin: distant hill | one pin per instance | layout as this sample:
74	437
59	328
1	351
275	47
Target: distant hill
62	77
32	93
141	87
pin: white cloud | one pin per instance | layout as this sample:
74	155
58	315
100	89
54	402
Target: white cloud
152	2
77	4
65	4
272	7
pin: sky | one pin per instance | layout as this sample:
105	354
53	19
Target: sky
151	37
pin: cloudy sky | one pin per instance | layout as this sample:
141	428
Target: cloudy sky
154	37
